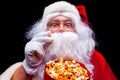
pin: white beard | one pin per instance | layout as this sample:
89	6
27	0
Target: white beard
69	45
63	46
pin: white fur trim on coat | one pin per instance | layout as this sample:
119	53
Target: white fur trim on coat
7	75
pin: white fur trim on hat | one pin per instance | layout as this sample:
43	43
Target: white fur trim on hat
60	6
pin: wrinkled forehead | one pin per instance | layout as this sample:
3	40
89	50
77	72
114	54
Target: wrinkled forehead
60	18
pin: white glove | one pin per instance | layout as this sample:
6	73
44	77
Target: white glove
34	52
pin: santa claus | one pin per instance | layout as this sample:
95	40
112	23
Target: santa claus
63	32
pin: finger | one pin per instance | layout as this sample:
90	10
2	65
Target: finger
37	54
44	39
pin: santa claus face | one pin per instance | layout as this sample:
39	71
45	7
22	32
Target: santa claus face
61	24
62	28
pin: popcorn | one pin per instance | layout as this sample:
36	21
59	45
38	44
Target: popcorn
49	35
66	70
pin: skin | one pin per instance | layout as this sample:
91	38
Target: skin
20	74
56	24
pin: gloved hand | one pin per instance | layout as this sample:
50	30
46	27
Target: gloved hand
34	51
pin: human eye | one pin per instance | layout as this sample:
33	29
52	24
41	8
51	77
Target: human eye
54	25
68	25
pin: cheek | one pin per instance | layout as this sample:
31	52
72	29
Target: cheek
55	31
52	31
74	30
71	30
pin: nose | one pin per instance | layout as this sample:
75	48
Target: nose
61	28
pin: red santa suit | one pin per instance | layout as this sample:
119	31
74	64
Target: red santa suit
102	70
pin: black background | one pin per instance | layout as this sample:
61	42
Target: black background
17	16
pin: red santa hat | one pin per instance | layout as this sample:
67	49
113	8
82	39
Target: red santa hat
63	6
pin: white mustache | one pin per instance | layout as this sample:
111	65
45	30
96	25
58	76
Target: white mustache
63	45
